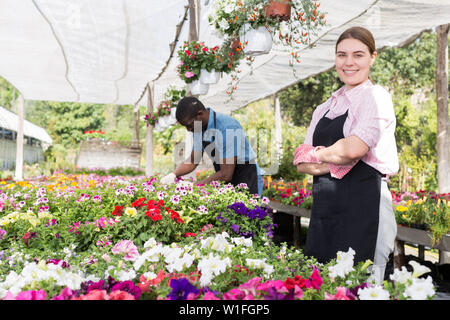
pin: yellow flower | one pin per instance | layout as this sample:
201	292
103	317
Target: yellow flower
131	212
401	208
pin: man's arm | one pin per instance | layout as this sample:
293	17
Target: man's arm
188	165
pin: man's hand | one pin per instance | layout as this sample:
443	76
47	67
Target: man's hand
168	179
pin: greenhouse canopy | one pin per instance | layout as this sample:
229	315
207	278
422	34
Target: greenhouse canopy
107	51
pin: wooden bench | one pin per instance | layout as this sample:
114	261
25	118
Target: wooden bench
404	234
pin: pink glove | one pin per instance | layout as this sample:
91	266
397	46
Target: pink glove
305	153
339	172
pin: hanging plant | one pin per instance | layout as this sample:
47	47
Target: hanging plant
195	56
235	19
162	110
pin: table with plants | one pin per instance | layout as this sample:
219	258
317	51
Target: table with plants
423	217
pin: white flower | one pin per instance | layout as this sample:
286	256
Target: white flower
420	289
212	266
344	264
418	269
150	243
229	8
401	276
373	293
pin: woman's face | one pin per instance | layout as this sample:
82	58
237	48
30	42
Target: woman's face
353	62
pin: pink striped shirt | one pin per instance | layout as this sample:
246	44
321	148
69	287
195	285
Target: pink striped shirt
371	118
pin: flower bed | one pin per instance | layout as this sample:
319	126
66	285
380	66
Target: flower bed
86	237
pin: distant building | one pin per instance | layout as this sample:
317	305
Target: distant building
35	141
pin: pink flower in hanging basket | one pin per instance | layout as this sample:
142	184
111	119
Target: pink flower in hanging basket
189	74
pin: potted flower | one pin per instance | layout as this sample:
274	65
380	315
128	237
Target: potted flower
259	18
245	20
194	57
161	118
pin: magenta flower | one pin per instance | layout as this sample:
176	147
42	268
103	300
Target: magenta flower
314	281
32	295
210	296
189	74
341	294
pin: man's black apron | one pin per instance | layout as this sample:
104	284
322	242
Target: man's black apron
243	172
345	212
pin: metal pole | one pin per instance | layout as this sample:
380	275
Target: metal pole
149	137
19	139
443	134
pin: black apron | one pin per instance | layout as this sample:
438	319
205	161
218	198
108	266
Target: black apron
345	212
243	172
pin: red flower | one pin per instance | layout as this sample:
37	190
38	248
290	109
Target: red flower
154	214
187	52
175	215
138	203
118	210
189	234
215	48
291	283
205	49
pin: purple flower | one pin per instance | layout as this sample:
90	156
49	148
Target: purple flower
239	208
235	228
181	288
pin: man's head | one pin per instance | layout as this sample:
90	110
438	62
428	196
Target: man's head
190	110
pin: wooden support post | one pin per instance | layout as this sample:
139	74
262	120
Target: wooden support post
19	139
443	134
399	254
297	232
421	250
149	137
135	142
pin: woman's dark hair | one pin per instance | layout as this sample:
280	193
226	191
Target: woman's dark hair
188	107
361	34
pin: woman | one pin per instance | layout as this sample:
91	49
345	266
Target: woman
352	135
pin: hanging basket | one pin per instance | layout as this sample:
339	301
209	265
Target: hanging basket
164	122
279	9
198	88
207	77
256	41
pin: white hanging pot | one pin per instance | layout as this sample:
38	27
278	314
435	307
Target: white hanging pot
163	122
158	127
173	112
198	88
255	41
172	119
207	77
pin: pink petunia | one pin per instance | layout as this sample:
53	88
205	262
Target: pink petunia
210	296
189	74
341	294
128	248
32	295
120	295
94	295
